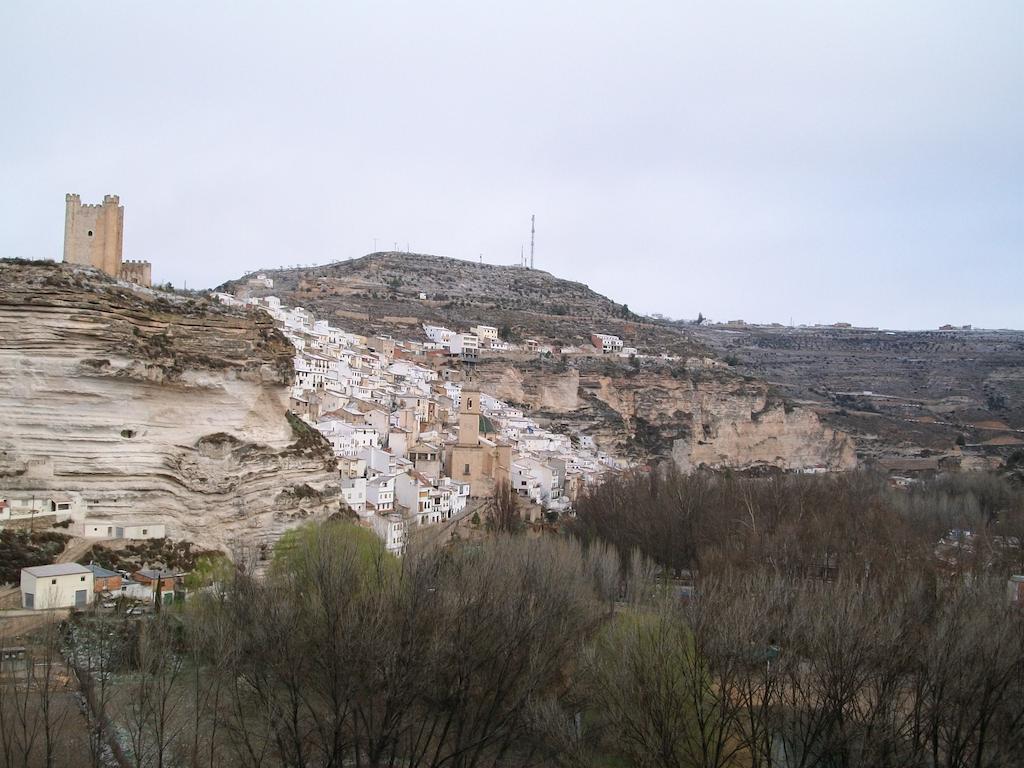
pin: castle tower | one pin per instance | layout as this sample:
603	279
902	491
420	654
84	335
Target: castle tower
469	419
93	234
94	237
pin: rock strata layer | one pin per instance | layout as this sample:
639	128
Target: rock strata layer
698	412
142	405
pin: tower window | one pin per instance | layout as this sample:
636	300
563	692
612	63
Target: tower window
89	233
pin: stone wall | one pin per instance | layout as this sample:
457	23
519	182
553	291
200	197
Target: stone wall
138	272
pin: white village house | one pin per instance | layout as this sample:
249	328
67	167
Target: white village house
606	343
108	529
63	585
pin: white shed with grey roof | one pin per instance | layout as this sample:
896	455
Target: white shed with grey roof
63	585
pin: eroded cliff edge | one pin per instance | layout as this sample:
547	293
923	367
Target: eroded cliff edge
697	412
145	405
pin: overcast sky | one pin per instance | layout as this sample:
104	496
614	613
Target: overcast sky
820	161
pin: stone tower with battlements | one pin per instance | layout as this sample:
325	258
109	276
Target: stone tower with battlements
94	236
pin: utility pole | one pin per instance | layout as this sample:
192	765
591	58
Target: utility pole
522	257
532	231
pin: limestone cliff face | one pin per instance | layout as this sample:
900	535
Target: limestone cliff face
558	392
768	435
145	406
698	412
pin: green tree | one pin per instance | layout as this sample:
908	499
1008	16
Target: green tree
644	683
304	548
210	569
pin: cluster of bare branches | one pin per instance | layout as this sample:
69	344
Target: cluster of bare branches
826	625
345	655
807	674
34	702
503	514
806	526
816	628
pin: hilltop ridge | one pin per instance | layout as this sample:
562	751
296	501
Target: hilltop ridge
388	290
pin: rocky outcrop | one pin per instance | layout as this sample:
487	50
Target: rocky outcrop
697	412
775	436
558	392
148	406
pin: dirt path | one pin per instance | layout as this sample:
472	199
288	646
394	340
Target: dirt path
74	549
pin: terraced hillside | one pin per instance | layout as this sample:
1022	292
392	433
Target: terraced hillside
951	396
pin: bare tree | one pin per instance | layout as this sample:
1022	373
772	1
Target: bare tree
346	655
638	673
503	515
156	695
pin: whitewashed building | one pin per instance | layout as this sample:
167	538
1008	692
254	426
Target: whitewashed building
353	492
63	585
485	332
606	343
108	529
391	528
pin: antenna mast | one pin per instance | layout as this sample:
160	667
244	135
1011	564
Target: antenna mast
532	231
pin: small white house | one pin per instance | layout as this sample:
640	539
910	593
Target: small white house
24	506
353	492
606	343
485	332
107	529
141	531
439	334
63	585
391	529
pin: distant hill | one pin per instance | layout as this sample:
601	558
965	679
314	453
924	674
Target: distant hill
381	292
955	394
